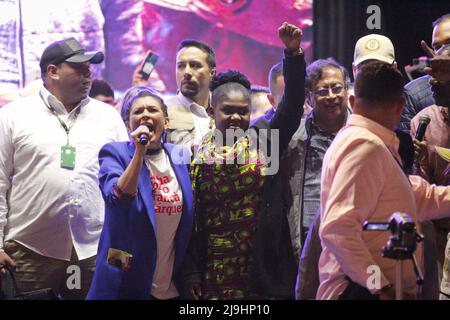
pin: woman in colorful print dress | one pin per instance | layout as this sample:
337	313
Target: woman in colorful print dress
228	176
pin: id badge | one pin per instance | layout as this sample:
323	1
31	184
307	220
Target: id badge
68	157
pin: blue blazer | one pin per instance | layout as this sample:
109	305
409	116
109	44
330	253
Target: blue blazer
130	225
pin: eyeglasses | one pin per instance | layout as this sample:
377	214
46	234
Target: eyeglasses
323	92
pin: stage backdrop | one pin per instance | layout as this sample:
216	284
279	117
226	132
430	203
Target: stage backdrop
242	32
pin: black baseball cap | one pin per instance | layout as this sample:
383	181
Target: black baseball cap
68	50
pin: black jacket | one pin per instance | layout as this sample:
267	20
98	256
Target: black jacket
274	270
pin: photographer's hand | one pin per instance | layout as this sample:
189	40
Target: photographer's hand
440	68
430	52
439	64
5	260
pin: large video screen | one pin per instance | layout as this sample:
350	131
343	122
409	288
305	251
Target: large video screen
243	34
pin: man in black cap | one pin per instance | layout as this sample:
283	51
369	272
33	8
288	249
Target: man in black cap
51	209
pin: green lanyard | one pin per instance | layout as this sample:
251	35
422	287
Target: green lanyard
68	152
63	124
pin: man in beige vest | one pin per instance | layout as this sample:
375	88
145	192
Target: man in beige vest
188	110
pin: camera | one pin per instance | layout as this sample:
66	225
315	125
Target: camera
404	237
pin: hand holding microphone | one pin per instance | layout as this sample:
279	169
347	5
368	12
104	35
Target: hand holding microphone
420	146
142	136
424	121
143	139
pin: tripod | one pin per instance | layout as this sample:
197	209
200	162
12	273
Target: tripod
400	247
400	254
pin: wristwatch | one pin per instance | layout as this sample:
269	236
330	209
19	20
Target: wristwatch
297	52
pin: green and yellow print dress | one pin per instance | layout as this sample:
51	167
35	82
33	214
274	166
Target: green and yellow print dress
228	198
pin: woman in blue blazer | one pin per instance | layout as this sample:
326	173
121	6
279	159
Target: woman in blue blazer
148	207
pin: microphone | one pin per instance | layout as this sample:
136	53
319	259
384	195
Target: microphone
424	120
143	139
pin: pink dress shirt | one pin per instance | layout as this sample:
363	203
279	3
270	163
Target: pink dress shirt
361	180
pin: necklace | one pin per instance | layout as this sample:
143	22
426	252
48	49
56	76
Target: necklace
152	152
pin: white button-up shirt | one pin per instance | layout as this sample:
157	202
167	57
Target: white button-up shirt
46	208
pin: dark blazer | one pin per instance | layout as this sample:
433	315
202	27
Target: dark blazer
418	96
130	225
274	270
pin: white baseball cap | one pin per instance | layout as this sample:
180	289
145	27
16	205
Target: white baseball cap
374	46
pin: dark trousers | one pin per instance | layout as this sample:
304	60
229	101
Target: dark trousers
356	292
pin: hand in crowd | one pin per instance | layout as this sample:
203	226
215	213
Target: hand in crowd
195	290
420	150
387	294
439	64
138	80
291	36
5	260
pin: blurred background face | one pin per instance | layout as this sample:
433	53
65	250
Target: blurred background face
276	91
259	105
106	99
441	89
441	35
193	72
441	92
232	111
148	111
329	96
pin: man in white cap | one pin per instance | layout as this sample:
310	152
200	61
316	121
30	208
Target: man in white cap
376	47
51	209
373	47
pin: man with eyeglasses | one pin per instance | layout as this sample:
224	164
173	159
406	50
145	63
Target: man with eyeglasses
301	163
372	47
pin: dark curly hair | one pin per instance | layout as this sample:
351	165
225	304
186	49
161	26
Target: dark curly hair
378	83
229	76
226	81
210	55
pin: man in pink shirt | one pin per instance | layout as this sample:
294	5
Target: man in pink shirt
362	180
